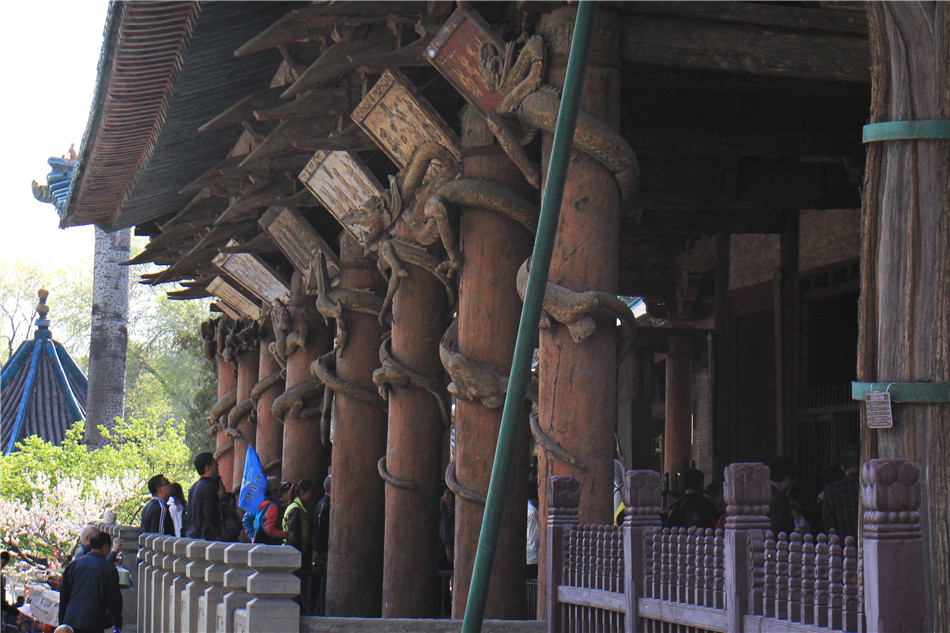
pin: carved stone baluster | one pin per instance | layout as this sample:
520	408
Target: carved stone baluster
656	562
143	579
892	547
694	551
850	582
747	493
794	577
808	581
835	588
666	564
720	558
781	576
563	496
821	582
709	568
177	585
273	586
769	579
755	557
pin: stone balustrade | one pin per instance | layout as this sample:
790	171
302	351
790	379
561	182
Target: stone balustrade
197	586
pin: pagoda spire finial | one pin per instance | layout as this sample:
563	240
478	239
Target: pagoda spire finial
42	309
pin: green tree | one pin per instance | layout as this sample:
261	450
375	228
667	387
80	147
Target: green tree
47	492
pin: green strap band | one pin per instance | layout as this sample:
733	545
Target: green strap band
922	392
906	131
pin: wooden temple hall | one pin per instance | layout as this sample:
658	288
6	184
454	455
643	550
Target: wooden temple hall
357	185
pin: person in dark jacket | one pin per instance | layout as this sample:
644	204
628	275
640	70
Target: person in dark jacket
155	515
692	509
204	506
89	597
782	475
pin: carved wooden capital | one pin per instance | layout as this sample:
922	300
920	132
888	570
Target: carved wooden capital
747	494
890	494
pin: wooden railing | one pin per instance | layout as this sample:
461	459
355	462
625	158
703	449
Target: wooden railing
741	579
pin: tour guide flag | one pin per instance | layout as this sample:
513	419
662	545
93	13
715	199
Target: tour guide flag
253	483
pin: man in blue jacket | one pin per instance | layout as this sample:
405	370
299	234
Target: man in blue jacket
89	597
155	514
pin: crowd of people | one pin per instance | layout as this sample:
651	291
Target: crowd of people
833	507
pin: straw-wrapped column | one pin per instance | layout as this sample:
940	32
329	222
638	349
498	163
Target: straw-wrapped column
493	247
357	521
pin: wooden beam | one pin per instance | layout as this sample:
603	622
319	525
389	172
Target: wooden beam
743	142
234	298
340	181
669	40
766	15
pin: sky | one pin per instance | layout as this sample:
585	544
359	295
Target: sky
49	75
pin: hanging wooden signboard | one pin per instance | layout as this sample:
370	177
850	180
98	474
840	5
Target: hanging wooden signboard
399	119
297	239
340	181
454	51
234	298
255	275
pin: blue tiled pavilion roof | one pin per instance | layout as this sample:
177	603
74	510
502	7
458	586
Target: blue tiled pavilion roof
42	391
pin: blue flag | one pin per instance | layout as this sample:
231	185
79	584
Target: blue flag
253	483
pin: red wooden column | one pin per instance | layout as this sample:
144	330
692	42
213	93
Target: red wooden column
493	247
270	434
679	404
247	373
227	382
357	521
303	454
413	449
577	407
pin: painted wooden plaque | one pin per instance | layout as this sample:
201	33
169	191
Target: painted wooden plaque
340	181
399	119
297	239
234	298
253	274
454	53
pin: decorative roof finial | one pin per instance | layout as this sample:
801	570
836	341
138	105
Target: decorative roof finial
42	309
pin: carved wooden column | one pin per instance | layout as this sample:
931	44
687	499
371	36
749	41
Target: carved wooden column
493	247
414	443
241	423
904	310
679	405
357	521
227	394
577	400
270	434
304	455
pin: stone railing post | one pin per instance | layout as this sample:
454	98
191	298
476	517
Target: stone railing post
641	496
130	560
273	586
179	548
564	495
162	583
195	568
214	587
747	496
893	550
143	581
235	584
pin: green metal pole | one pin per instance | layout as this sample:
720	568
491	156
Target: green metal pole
530	315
